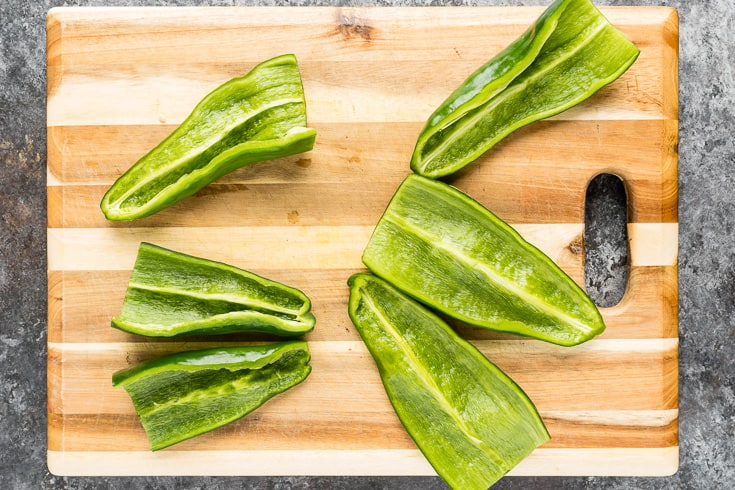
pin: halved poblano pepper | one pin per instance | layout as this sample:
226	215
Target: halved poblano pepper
469	419
183	395
171	293
567	55
259	116
446	250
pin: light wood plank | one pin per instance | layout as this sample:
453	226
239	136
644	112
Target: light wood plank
379	462
313	247
654	244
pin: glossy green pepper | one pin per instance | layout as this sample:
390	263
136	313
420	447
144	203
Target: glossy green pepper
469	419
445	249
183	395
257	117
171	293
567	55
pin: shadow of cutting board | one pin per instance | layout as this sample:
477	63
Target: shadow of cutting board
119	80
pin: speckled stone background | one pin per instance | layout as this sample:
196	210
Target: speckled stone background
706	258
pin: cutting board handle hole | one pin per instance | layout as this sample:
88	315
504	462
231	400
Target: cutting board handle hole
606	248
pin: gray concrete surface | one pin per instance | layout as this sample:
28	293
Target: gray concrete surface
707	260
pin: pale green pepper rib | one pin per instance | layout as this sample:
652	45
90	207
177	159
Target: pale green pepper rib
469	419
446	250
564	58
256	117
172	294
509	286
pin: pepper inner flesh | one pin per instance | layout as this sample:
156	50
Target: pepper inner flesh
259	116
446	250
469	419
181	401
171	293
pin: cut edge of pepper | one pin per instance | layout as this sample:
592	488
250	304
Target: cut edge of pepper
232	358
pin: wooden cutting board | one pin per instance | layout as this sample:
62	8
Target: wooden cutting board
120	79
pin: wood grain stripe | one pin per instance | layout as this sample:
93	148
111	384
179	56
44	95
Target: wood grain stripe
275	247
647	367
374	430
87	159
81	304
346	153
543	461
489	347
164	99
310	247
143	85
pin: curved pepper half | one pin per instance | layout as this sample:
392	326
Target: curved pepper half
183	395
257	117
445	249
469	419
172	294
567	55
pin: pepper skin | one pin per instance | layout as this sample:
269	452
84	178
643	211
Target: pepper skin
171	294
469	419
183	395
257	117
445	249
566	56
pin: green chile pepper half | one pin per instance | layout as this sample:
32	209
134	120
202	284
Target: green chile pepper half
171	294
469	419
183	395
445	249
257	117
566	56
